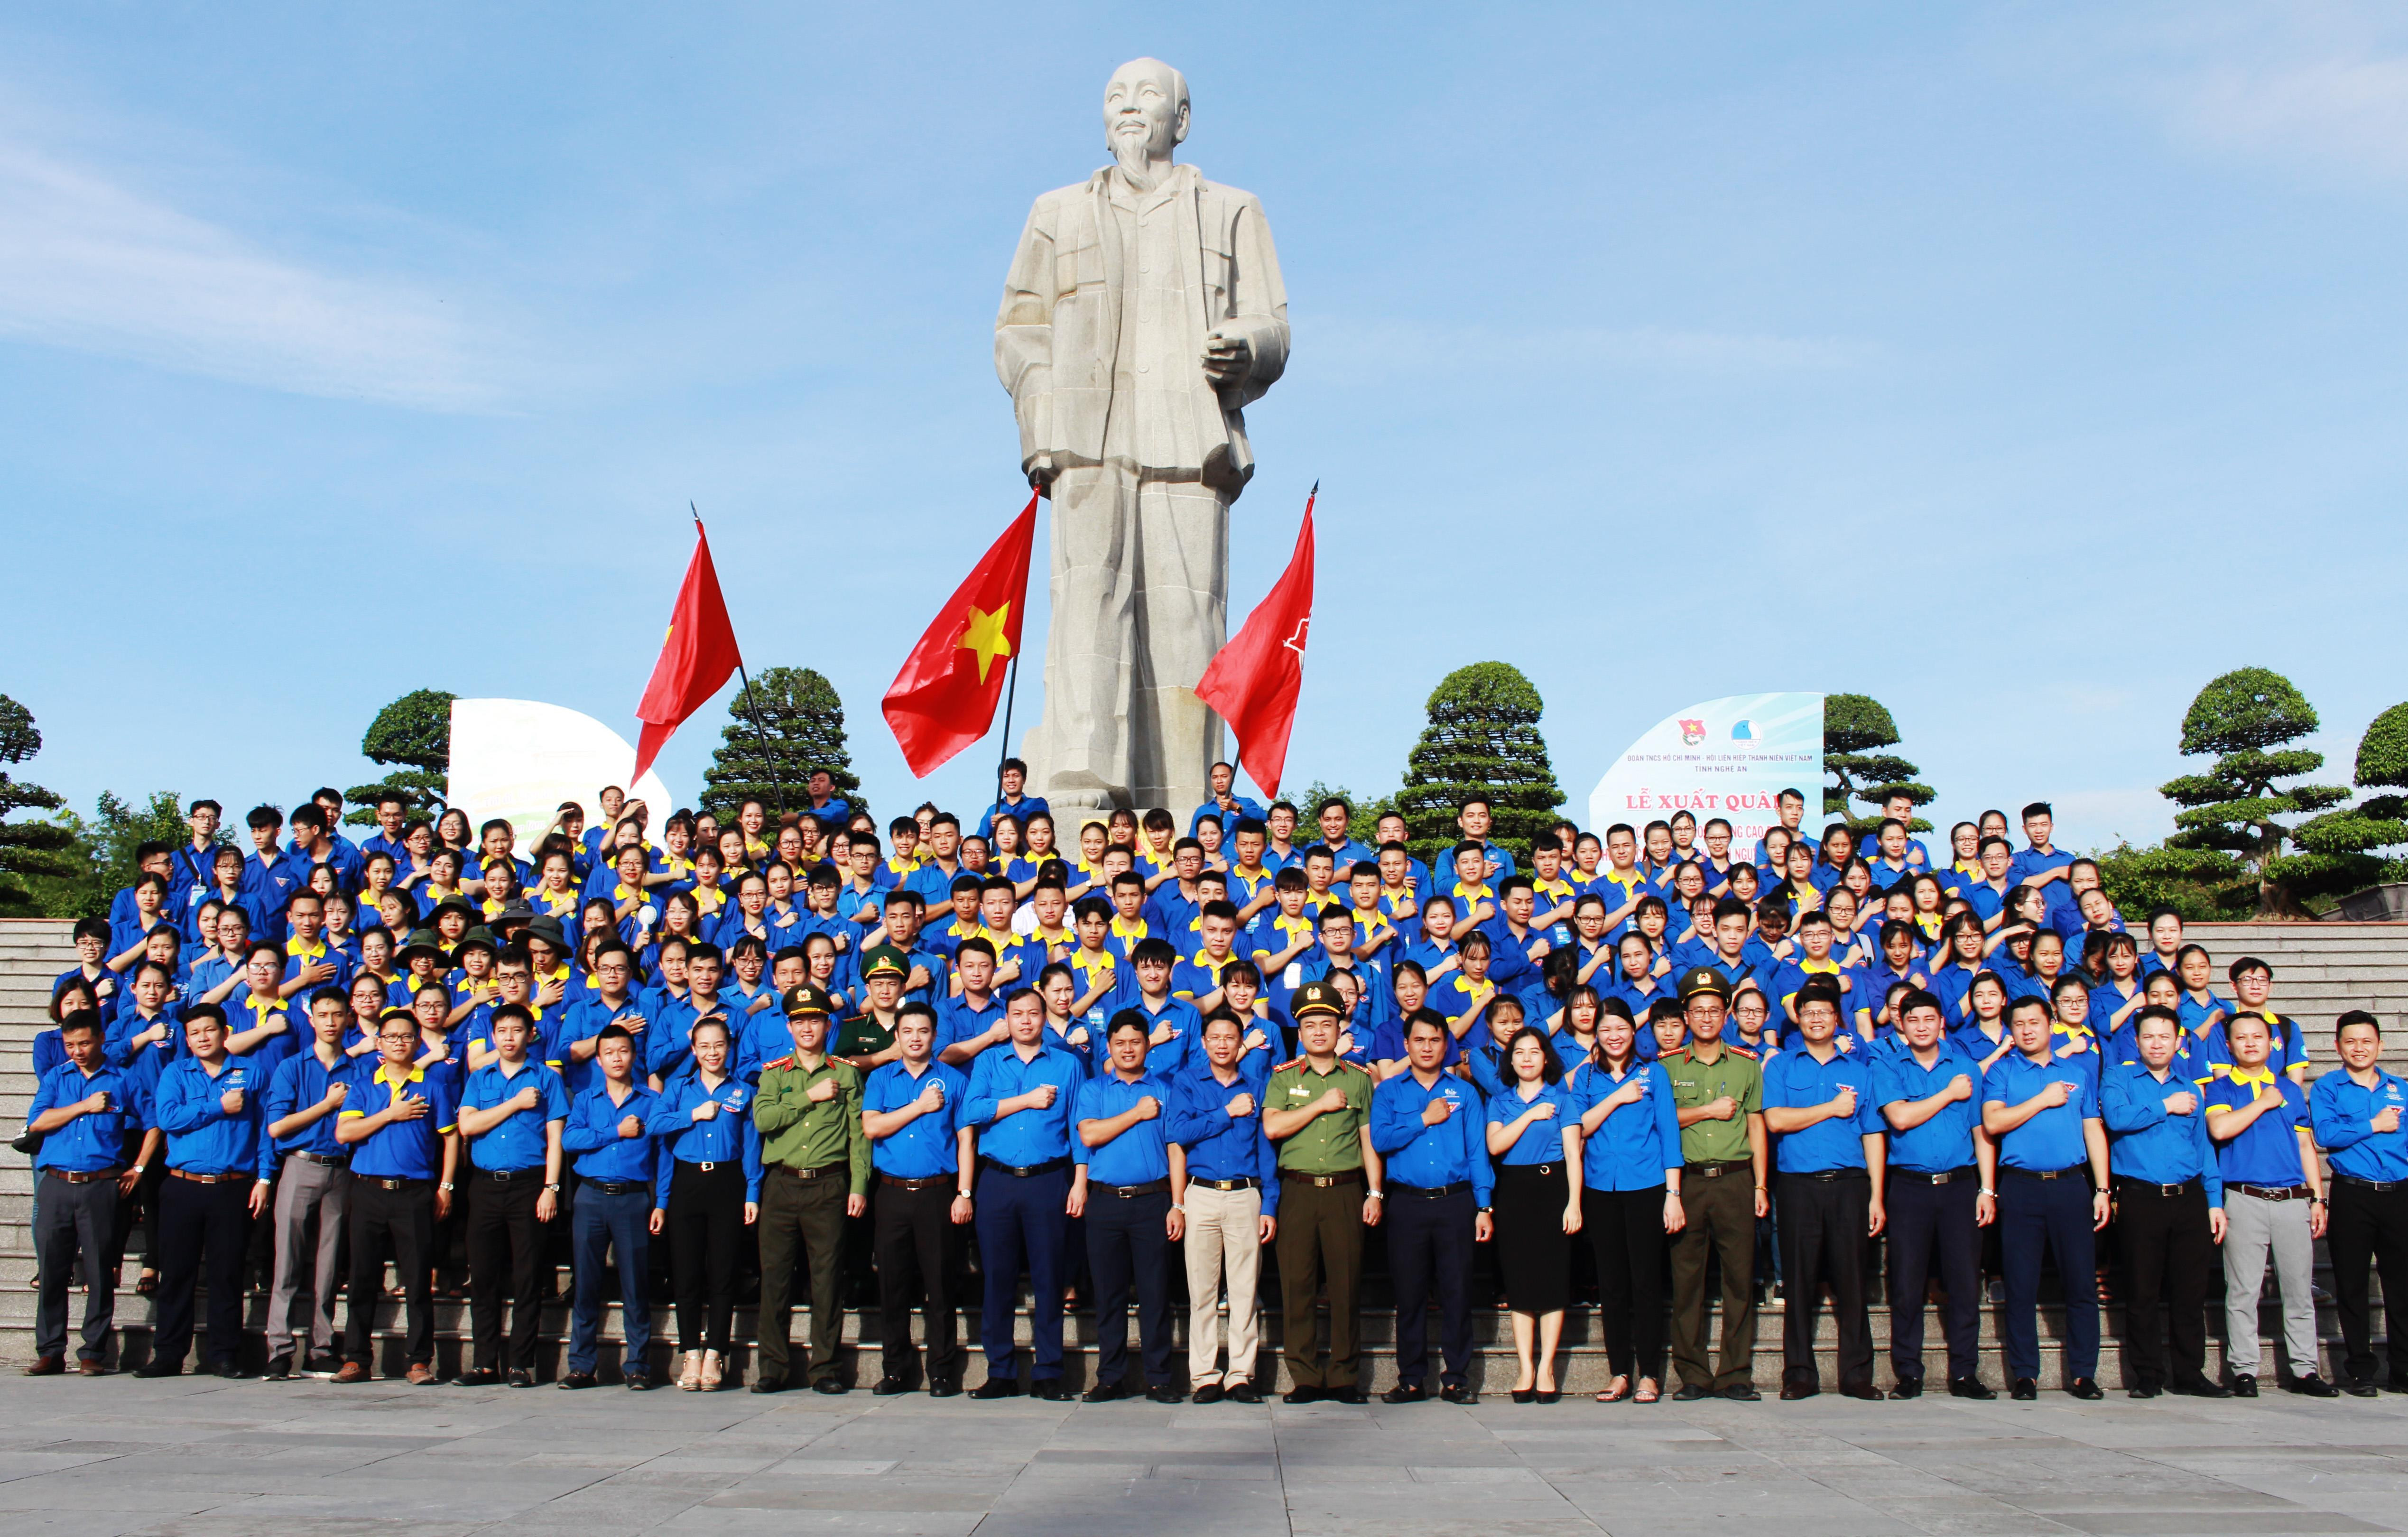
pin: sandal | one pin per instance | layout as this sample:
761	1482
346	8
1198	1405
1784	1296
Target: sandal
1617	1392
1648	1394
146	1283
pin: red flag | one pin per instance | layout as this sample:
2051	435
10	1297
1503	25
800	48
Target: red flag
944	698
1255	680
696	656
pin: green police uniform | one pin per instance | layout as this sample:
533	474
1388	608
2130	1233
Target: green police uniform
815	1155
1321	1210
1718	1197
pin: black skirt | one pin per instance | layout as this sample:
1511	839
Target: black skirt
1533	1251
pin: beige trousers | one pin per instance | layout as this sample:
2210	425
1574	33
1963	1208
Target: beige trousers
1222	1237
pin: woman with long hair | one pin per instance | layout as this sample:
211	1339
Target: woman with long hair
1630	1141
1538	1163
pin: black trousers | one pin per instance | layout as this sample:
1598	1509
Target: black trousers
505	1240
706	1237
1626	1230
1430	1249
405	1218
919	1254
74	1228
1823	1242
2369	1225
1128	1247
1932	1227
198	1225
2167	1255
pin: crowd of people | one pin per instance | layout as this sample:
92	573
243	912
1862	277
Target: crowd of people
1119	1055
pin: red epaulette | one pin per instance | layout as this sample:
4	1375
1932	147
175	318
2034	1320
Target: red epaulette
786	1061
1742	1051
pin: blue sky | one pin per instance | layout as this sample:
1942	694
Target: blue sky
2022	366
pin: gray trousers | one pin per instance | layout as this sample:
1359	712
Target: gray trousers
2254	1226
302	1188
75	1232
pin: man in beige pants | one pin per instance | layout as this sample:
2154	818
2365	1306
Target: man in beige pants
1228	1188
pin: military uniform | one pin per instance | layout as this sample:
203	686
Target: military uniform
1718	1195
1321	1212
814	1155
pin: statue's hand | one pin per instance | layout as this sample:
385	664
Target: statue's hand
1228	360
1040	469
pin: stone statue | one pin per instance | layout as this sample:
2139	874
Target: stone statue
1143	312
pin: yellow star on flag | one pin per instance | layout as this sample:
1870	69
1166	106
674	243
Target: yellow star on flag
984	635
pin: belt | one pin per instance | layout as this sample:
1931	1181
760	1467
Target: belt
2068	1172
2272	1192
1022	1171
1130	1192
390	1185
1717	1171
230	1177
2151	1187
77	1176
1543	1171
504	1176
1428	1192
1946	1176
616	1187
1225	1185
1322	1182
822	1171
325	1160
928	1184
2378	1185
1826	1177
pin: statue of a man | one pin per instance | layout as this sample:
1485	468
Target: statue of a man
1142	312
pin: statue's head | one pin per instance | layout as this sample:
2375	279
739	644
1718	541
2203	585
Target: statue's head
1145	112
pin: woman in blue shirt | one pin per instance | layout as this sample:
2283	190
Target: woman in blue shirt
1629	1151
1535	1212
709	1196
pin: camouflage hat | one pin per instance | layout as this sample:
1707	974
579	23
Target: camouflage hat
885	960
1318	998
1704	979
808	999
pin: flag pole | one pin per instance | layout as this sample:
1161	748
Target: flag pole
1011	692
752	707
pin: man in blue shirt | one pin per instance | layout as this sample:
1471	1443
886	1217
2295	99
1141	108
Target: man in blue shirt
83	1110
1819	1100
398	1121
2043	865
2044	1117
616	1211
1428	1129
925	1156
312	1177
1124	1164
1019	1101
208	1104
1226	1187
1225	802
511	1114
1940	1176
2273	1205
2355	1114
2168	1206
1014	779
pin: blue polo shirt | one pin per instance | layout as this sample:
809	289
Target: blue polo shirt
302	1081
2289	1046
1637	1145
2342	1113
1944	1141
592	1141
202	1137
728	1136
1138	1156
2053	1138
958	1019
2267	1152
1540	1141
1453	1151
925	1146
1247	809
94	1141
401	1150
1184	1049
1793	1080
519	1141
1028	1137
2030	862
2144	1142
1221	1146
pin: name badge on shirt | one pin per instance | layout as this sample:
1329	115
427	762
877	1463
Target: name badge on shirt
234	1078
1298	1091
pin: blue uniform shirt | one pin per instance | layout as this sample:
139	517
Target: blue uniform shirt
519	1141
592	1141
1221	1146
2342	1113
2290	1045
1453	1151
1944	1141
1793	1080
202	1136
1637	1144
925	1146
2267	1152
1028	1137
728	1136
2051	1139
2144	1142
302	1081
401	1150
1540	1141
1138	1156
92	1141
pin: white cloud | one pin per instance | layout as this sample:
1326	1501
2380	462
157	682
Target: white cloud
2350	110
88	264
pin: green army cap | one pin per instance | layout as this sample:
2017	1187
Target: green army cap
1318	998
808	999
1704	979
480	938
422	938
885	960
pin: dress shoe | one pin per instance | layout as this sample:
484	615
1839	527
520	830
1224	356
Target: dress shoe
230	1370
422	1374
2201	1388
2023	1391
280	1368
1103	1392
2142	1390
1971	1387
350	1372
1211	1392
889	1386
2245	1385
944	1387
2084	1388
521	1377
1792	1391
2314	1386
571	1381
996	1388
1351	1393
830	1386
1309	1394
1406	1392
637	1380
1743	1392
2359	1387
322	1365
1244	1392
1052	1390
1162	1392
160	1369
1907	1387
1459	1393
762	1384
95	1368
2395	1385
1864	1390
48	1366
479	1376
1691	1392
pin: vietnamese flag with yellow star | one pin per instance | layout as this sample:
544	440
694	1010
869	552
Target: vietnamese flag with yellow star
944	698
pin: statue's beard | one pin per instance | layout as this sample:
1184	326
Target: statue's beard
1129	151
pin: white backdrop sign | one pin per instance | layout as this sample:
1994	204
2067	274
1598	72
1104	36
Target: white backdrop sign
518	759
1729	758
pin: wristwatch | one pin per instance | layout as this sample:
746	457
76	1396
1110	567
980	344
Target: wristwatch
445	1186
964	1195
1375	1194
555	1188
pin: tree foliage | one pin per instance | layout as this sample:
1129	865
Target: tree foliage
2355	833
1854	727
1483	740
2201	884
32	850
804	720
2239	804
414	733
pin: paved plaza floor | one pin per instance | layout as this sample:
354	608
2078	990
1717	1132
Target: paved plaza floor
197	1458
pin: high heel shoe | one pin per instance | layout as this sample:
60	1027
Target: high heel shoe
1524	1395
1550	1394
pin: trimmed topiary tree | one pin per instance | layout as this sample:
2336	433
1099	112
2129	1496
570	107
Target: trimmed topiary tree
29	850
1483	740
414	733
2353	834
804	720
1854	726
2238	805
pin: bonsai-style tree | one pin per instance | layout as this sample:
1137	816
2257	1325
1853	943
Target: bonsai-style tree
29	850
804	721
1483	740
2239	805
1854	727
2351	836
414	734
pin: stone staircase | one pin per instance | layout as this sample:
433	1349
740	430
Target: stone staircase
2320	969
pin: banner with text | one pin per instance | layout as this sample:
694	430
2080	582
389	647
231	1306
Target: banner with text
1728	758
